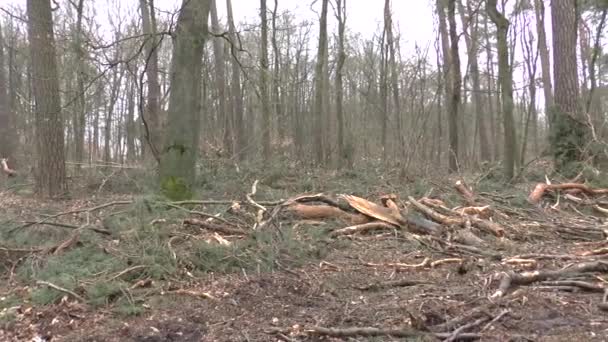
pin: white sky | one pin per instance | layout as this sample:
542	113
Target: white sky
413	18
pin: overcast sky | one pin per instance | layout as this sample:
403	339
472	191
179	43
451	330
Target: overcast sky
414	18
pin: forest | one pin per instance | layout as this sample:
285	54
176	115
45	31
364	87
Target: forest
184	170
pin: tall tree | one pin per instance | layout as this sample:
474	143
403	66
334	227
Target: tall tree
7	135
505	79
152	112
471	28
445	63
456	79
220	79
320	88
343	155
237	94
79	118
539	7
390	41
266	124
50	168
568	128
178	157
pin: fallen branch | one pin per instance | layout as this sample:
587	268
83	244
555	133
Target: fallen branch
392	283
488	226
61	289
375	332
510	279
213	227
362	228
456	334
541	188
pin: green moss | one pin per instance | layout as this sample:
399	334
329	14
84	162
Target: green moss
176	188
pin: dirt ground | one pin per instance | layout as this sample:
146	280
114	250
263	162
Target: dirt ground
384	280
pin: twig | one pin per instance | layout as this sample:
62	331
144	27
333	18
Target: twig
496	319
214	227
254	190
456	334
61	289
130	269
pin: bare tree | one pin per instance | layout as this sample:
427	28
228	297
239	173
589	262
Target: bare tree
237	96
7	135
539	7
471	29
454	103
320	88
505	79
266	123
220	79
151	57
343	155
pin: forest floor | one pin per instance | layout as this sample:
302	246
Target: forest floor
109	265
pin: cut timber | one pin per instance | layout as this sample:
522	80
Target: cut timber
468	195
319	212
376	211
6	169
362	228
541	188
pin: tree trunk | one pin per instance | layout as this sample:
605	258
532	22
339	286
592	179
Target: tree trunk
266	124
320	91
446	63
220	80
50	171
79	117
539	7
569	128
471	24
152	113
277	99
454	100
505	77
7	134
178	158
388	22
344	157
237	95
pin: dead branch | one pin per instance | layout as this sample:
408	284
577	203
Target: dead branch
320	212
510	279
71	241
254	190
486	225
128	270
61	289
576	283
456	334
214	227
541	188
420	225
70	226
362	228
392	283
375	332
